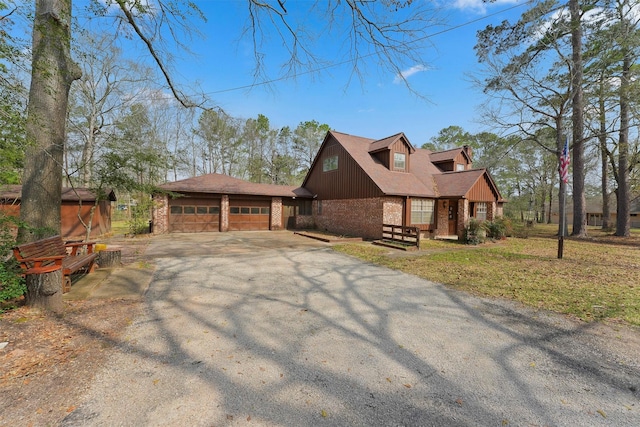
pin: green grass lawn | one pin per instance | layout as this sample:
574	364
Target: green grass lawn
598	278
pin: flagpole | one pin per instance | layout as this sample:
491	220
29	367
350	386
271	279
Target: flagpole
564	219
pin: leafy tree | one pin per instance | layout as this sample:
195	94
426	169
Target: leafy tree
12	101
613	47
527	75
448	138
307	137
12	142
281	165
221	150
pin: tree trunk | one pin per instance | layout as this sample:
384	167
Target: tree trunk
579	202
52	73
623	223
45	290
604	165
111	257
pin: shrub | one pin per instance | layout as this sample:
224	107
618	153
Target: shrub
139	222
499	228
474	232
11	282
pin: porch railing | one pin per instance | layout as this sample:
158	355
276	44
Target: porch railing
408	236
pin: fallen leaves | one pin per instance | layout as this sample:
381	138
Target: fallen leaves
48	353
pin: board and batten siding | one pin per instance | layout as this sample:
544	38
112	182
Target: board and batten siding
387	159
349	181
482	191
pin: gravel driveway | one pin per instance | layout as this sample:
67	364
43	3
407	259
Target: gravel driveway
274	329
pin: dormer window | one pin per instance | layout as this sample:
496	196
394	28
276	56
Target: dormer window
459	167
399	161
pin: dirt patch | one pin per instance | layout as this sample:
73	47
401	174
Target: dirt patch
48	361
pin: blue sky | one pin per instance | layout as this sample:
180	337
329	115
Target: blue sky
376	108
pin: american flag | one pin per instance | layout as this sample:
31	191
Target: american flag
564	162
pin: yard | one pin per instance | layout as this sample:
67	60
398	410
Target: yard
597	279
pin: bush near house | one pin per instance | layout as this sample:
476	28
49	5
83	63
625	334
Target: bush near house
11	282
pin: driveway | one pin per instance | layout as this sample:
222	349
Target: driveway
274	329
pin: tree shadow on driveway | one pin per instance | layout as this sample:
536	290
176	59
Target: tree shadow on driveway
286	334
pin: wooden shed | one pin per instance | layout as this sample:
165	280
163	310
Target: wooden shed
76	203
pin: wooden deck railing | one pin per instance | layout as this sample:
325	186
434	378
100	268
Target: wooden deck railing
409	236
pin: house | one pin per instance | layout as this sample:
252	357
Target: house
216	202
358	184
74	201
354	186
594	211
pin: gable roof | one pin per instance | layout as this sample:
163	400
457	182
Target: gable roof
457	184
225	184
389	182
385	143
448	155
424	178
69	194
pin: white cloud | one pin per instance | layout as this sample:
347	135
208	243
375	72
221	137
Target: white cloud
478	6
405	74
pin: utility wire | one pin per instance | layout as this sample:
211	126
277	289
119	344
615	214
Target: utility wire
349	61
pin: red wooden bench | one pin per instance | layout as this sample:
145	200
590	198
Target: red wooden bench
50	254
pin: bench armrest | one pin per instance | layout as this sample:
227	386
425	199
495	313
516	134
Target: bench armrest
74	247
34	265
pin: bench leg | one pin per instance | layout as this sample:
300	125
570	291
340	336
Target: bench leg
66	284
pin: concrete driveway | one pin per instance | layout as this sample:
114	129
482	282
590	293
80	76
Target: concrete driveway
274	329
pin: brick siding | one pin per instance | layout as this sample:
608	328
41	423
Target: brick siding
276	213
160	214
224	213
353	217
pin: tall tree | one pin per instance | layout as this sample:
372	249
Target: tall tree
221	150
53	71
628	42
98	98
614	44
577	106
527	69
307	137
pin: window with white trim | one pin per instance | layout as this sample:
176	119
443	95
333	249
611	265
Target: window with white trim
422	211
399	161
481	211
459	167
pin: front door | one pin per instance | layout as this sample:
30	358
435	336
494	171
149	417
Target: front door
453	217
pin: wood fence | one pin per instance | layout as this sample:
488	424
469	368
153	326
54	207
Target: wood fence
408	236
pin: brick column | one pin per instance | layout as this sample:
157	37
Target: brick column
224	213
463	215
160	214
276	213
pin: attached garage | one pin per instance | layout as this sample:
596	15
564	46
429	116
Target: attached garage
216	202
249	214
192	215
